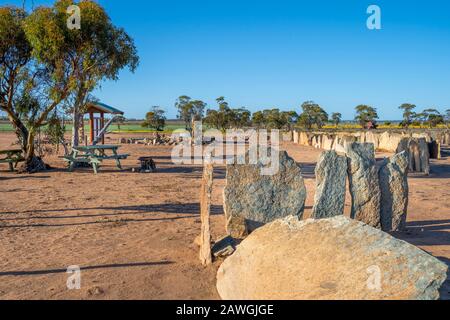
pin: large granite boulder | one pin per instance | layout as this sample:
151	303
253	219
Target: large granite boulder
364	186
393	176
328	259
331	174
252	199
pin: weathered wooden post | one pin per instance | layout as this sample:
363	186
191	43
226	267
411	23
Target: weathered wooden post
205	207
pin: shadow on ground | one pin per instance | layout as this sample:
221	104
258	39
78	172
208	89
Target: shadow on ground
106	266
430	233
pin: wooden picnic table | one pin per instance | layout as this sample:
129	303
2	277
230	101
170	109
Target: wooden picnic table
12	157
94	155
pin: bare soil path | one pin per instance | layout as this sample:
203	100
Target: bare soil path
133	234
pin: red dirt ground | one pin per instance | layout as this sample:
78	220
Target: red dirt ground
133	234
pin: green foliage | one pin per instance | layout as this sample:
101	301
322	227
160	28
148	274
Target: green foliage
258	119
447	117
155	119
288	119
336	118
365	114
432	117
240	118
312	115
15	51
55	129
95	52
225	117
119	121
274	119
43	62
189	110
408	114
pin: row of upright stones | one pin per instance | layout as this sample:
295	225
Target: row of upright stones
379	195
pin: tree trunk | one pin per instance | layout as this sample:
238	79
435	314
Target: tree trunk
26	138
75	127
32	163
20	130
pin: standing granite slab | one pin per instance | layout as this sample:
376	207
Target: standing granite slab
331	174
424	156
252	200
418	154
364	185
393	176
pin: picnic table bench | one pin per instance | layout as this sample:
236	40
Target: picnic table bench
12	157
94	155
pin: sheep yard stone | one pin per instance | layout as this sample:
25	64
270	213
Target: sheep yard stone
252	200
393	176
328	259
331	175
424	156
364	186
418	154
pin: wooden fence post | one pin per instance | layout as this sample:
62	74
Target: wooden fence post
205	207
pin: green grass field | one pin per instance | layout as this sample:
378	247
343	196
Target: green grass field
125	128
136	127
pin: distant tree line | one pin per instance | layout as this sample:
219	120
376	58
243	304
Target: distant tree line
429	117
311	116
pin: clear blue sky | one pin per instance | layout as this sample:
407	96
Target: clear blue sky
264	54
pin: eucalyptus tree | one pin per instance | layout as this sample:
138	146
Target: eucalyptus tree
225	117
408	114
312	114
189	110
336	118
98	51
258	119
432	117
274	119
43	63
155	119
365	114
15	74
34	75
447	118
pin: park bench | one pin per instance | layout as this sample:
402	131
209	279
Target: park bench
74	160
12	157
94	155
